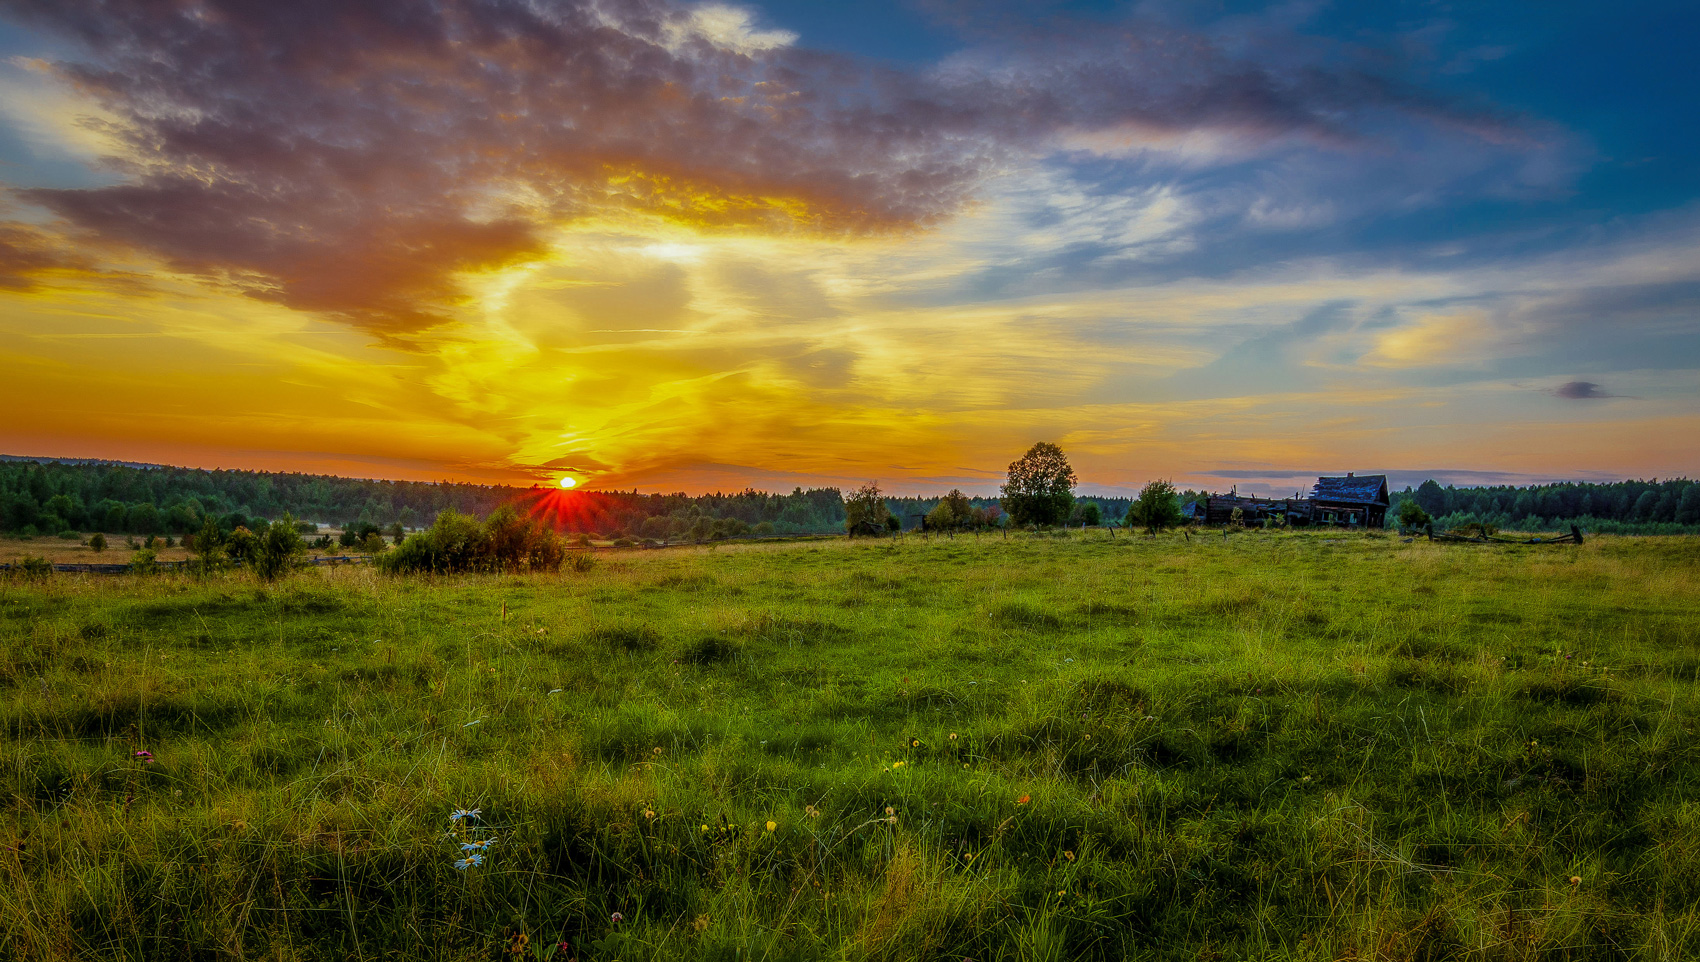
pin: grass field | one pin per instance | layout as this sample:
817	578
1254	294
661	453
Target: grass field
1273	746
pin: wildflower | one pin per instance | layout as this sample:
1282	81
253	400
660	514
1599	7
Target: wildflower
811	811
616	918
649	814
705	828
953	736
914	743
461	813
462	864
700	923
890	811
657	749
518	943
1069	856
146	756
896	764
771	825
1575	880
1023	800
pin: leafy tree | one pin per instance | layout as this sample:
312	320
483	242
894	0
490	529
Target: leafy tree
278	544
1432	498
865	511
1040	489
1087	513
208	546
1412	515
97	542
1157	507
953	511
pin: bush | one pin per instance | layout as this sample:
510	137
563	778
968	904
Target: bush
276	549
1412	515
97	542
455	542
69	535
32	568
144	562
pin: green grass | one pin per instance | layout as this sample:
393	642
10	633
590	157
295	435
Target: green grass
1275	746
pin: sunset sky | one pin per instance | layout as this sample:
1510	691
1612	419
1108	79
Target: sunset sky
692	247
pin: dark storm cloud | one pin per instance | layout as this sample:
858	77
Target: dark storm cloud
350	156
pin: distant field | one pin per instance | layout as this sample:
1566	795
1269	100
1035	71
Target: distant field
1274	746
62	551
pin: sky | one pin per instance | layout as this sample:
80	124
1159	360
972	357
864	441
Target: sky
696	247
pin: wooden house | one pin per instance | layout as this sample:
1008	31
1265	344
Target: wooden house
1351	500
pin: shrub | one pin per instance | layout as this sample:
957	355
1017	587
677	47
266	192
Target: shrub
581	561
32	568
69	535
277	547
455	542
97	542
144	562
208	547
1412	515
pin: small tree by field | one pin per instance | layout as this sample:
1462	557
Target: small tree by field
1040	489
1087	513
208	546
276	548
951	513
865	511
1156	508
1412	515
97	542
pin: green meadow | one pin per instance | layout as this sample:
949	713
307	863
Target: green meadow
1275	745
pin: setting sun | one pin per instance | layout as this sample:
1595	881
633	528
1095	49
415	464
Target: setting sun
568	482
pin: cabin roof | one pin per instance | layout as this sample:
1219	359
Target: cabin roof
1352	489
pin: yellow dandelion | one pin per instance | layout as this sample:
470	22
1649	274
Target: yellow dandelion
1575	880
896	764
772	825
914	743
1069	856
811	811
648	814
890	810
953	736
657	749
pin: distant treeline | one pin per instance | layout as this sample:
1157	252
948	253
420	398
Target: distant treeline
1617	507
45	498
53	497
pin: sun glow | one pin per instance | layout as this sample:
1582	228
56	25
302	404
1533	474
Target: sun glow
569	482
